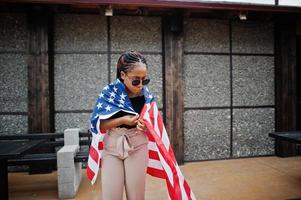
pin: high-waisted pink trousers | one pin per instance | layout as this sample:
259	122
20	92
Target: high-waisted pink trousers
124	163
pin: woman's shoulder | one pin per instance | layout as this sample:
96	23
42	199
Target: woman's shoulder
113	86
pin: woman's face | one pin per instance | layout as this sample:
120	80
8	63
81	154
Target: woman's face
138	72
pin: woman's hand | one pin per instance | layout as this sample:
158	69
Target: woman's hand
130	120
141	126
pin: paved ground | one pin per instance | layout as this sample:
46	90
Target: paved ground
251	178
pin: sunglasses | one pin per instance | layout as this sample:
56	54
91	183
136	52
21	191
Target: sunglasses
136	82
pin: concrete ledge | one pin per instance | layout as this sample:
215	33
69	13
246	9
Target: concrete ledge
71	136
69	172
65	156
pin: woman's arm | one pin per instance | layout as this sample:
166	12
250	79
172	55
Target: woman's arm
130	120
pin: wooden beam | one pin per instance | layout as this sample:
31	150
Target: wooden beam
285	63
40	79
40	109
174	100
298	28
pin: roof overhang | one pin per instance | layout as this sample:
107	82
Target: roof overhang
249	5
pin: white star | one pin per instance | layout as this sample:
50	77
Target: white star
120	105
96	116
150	96
115	89
108	108
99	105
122	96
111	100
112	94
100	95
106	88
121	101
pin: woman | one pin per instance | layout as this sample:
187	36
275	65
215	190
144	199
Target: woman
130	144
125	153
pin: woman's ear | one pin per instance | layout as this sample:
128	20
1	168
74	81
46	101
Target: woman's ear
122	75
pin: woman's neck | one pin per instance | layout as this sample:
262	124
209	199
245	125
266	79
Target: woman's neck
132	95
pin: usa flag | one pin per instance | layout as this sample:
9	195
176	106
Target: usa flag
162	162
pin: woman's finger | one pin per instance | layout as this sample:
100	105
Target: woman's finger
139	129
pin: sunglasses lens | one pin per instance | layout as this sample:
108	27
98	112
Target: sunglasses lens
135	82
145	81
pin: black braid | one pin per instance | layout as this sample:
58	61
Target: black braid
128	60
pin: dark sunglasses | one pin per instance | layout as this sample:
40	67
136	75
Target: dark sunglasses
136	82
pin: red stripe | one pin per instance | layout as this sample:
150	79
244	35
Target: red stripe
153	155
172	155
187	189
90	173
93	154
171	192
160	121
156	172
150	137
100	145
151	116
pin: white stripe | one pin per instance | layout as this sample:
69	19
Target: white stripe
164	136
152	146
100	153
98	126
181	183
146	117
156	127
166	169
92	164
96	139
146	113
148	106
165	139
155	164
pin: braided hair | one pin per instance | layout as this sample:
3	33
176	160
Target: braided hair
128	60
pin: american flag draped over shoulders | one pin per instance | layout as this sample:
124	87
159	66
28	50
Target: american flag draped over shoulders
162	162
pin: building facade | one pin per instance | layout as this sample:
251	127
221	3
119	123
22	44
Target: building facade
216	76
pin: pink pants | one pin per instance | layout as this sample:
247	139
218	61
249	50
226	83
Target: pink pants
124	162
